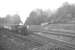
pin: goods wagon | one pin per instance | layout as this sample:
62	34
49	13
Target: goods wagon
62	36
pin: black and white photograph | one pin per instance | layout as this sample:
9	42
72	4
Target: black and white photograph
37	24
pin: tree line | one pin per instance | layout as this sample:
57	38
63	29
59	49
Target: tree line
64	14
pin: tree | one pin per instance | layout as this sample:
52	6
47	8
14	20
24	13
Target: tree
64	14
36	17
13	20
10	20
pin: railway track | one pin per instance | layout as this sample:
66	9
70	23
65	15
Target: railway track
39	40
12	41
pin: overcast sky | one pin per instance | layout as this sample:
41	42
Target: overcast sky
24	7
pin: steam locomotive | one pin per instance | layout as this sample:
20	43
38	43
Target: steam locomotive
17	29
